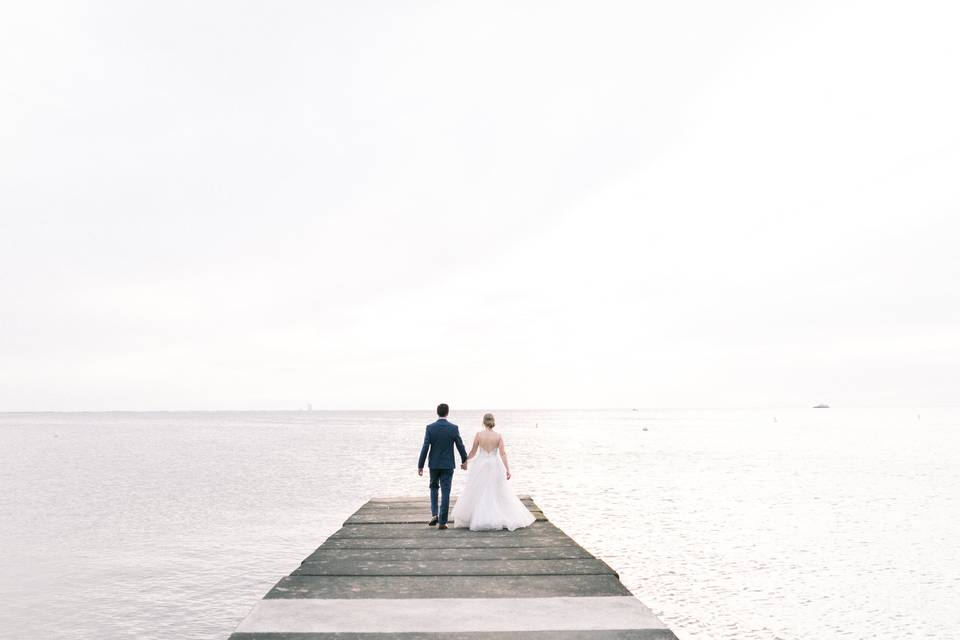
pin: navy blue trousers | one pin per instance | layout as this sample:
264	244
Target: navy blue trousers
440	479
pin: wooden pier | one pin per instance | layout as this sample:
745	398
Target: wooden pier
386	574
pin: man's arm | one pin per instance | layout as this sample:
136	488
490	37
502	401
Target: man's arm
423	450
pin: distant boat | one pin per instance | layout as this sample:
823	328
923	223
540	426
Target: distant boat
821	406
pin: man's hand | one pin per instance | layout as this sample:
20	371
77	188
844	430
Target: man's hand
464	466
420	472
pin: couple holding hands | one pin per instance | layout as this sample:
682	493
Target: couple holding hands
487	501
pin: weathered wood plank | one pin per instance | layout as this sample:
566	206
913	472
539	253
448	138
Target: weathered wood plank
442	541
605	634
461	554
342	567
425	502
412	615
404	517
334	587
419	530
392	499
419	507
423	497
418	515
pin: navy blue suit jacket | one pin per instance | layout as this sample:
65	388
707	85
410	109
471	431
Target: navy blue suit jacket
439	439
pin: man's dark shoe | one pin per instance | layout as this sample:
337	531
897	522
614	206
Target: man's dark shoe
433	521
443	526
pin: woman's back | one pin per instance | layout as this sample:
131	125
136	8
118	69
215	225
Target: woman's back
488	440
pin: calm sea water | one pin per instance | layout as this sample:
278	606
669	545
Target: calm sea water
728	524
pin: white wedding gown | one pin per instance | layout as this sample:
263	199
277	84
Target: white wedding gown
487	501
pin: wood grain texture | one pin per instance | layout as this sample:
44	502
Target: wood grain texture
505	586
614	634
556	567
461	554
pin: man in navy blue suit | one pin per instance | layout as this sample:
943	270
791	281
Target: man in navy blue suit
439	440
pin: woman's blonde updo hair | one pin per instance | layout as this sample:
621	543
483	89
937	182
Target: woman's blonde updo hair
488	421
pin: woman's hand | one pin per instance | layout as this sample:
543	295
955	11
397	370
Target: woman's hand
508	475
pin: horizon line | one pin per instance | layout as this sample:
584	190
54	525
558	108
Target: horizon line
472	409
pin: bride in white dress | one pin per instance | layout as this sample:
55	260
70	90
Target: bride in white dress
487	501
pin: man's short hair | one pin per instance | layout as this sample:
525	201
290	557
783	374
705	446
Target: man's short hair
443	410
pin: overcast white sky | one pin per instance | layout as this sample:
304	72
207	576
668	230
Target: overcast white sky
387	205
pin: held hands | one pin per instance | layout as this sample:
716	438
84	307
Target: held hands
464	466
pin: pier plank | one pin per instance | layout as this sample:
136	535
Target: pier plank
395	499
411	503
417	530
412	511
462	554
555	567
337	587
446	542
395	516
590	634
